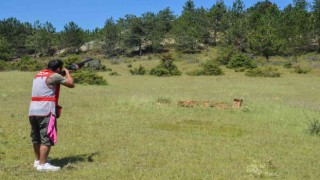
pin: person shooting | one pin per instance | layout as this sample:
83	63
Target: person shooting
44	110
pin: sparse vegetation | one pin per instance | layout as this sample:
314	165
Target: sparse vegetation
209	68
287	65
300	70
166	67
138	71
26	64
88	77
241	61
263	72
314	127
114	73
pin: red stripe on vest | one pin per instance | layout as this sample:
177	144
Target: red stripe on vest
43	99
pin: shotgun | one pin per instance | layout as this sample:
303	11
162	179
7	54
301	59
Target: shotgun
76	66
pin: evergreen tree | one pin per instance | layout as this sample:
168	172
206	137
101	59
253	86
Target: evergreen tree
165	20
237	26
296	27
152	35
15	34
163	24
134	32
111	38
316	23
216	15
43	38
263	38
191	28
5	50
72	36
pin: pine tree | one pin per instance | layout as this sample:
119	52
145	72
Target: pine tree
43	38
236	33
191	28
316	26
216	15
264	38
72	36
111	37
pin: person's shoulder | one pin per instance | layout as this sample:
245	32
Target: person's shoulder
57	77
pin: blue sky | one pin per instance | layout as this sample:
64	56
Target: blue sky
89	14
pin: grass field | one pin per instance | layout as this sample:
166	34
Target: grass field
133	128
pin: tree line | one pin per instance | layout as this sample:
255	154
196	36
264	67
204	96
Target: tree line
262	29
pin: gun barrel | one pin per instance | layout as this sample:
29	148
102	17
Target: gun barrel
78	65
84	62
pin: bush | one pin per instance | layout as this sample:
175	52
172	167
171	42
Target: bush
138	71
163	100
241	61
208	69
300	70
71	60
166	67
6	52
96	66
287	65
27	64
114	74
314	127
225	54
263	72
88	77
3	65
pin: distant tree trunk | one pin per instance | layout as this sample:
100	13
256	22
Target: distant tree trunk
215	34
215	38
140	48
35	54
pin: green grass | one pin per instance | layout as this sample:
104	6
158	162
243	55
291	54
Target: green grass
134	129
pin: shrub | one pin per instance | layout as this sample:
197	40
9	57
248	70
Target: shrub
97	66
225	54
88	77
26	64
138	71
166	67
3	65
263	72
314	127
114	74
71	60
6	52
208	69
300	70
163	100
287	65
241	61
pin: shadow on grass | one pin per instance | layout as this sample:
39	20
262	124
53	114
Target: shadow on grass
67	161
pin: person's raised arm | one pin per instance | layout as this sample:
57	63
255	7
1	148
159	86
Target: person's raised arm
69	82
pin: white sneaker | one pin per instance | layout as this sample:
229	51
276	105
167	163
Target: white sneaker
47	167
36	163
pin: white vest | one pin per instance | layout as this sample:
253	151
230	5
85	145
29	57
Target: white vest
44	99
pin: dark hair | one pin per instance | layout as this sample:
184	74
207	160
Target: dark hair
55	64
